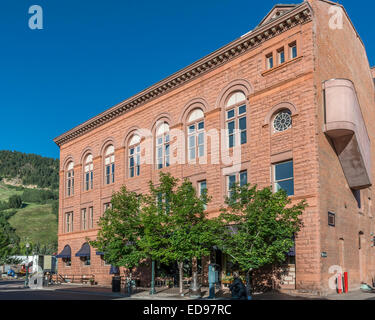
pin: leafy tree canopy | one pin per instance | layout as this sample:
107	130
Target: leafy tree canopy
8	241
260	226
120	231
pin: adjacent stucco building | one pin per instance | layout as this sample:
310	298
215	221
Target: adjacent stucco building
300	93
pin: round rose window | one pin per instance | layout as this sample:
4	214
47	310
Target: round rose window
282	121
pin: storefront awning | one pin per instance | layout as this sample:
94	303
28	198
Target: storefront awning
65	253
99	253
84	251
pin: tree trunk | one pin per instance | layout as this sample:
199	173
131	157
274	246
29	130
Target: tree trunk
248	284
181	271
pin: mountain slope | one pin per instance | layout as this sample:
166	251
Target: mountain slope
36	221
30	169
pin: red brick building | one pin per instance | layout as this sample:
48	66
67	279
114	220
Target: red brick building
295	95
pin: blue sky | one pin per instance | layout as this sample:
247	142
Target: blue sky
93	54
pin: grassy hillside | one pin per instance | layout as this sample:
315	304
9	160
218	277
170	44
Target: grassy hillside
34	222
7	191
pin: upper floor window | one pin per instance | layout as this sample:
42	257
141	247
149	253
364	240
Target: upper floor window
91	217
195	126
281	55
283	177
203	189
282	121
293	50
89	173
70	179
107	206
134	156
236	118
269	61
69	222
162	146
232	179
84	222
109	163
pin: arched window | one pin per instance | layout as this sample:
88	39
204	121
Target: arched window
235	116
70	179
162	145
134	156
109	163
195	125
282	121
89	173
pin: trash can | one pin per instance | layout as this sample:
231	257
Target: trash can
116	284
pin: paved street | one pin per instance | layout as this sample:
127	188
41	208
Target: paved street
14	290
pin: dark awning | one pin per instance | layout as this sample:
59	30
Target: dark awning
84	251
99	253
65	253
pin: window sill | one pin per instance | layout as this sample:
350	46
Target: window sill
108	185
280	66
87	191
242	145
133	178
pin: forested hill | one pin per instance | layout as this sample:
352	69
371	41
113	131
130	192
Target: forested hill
30	169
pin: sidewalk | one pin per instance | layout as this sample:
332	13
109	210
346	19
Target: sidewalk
140	293
173	294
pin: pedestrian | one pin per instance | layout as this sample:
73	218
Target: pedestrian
237	287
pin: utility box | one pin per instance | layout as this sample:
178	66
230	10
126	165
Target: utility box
49	264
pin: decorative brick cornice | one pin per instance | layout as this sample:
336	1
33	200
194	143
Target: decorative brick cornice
299	15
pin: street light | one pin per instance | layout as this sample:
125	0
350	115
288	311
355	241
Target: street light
27	266
152	291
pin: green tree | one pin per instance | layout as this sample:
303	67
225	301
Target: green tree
260	227
15	202
120	231
154	212
8	242
178	228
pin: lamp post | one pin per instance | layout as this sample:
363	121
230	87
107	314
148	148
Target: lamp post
27	266
152	291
